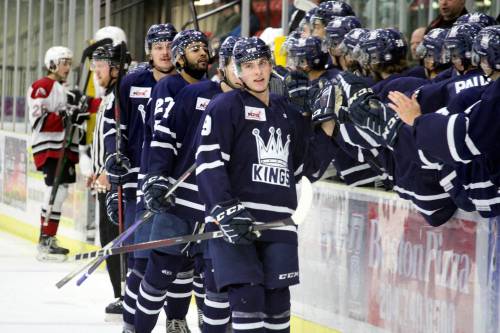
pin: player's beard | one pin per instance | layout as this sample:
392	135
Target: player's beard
194	71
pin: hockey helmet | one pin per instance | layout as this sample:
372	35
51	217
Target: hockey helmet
382	46
159	33
309	52
186	37
486	48
54	55
482	19
116	34
338	28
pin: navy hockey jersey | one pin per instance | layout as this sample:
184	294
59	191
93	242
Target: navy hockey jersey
173	149
435	96
159	105
135	91
468	142
255	153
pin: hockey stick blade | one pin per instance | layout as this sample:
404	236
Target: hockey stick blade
304	5
297	218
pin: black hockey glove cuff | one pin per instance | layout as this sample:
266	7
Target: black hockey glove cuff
112	207
235	222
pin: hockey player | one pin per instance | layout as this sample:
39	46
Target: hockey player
251	148
135	91
458	47
49	112
172	154
190	54
335	32
458	139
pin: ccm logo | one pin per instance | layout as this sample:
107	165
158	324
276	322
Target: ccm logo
287	276
229	212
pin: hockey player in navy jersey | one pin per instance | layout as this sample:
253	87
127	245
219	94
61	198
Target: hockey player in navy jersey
172	154
190	54
336	29
251	149
458	47
135	91
458	138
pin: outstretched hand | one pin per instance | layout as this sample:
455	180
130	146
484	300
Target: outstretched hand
407	108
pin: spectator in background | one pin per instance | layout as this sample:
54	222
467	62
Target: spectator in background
416	38
228	19
449	11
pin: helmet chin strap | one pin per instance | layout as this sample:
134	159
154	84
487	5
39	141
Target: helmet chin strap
227	81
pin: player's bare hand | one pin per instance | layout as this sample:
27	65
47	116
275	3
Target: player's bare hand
328	127
102	184
407	108
90	181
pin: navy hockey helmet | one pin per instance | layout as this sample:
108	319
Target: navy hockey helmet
184	38
309	51
226	50
250	48
159	33
338	28
382	47
432	46
329	9
486	48
290	40
482	19
458	42
352	40
111	54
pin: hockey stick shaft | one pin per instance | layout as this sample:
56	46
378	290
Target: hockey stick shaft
185	239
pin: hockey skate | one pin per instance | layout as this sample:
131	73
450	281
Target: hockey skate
49	250
114	311
177	326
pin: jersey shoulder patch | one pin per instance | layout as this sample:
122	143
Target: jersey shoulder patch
140	92
201	103
42	88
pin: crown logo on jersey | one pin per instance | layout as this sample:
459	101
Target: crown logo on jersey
274	153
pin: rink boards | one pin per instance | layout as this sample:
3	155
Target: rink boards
369	262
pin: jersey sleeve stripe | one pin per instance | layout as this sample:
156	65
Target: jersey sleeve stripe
271	208
164	145
206	166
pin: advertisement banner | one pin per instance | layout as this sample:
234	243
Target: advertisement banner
420	278
2	158
15	171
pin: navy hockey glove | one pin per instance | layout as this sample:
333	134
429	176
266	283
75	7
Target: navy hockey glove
112	206
78	105
297	85
155	189
371	114
117	171
329	106
235	222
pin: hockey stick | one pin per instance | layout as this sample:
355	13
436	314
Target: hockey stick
297	218
193	13
91	266
118	140
86	54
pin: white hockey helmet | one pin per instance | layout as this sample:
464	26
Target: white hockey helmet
54	55
115	33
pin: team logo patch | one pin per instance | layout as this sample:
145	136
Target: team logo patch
201	103
140	92
273	159
253	113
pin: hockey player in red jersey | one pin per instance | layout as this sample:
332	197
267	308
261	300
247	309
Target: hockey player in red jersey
51	106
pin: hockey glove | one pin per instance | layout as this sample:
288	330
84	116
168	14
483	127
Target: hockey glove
117	170
235	222
78	105
155	189
353	87
329	106
297	85
112	206
371	114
